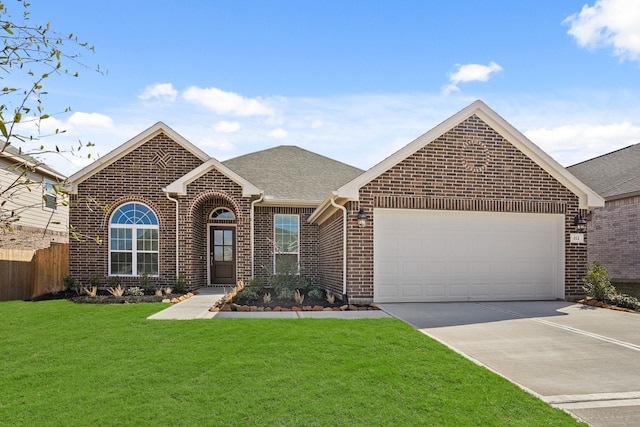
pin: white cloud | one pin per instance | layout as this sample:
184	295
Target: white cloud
218	144
226	127
470	73
278	133
317	124
90	120
163	92
570	144
612	23
222	102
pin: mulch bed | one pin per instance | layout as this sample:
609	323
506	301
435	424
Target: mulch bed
104	297
309	304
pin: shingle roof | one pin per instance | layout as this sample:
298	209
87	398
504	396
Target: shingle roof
13	152
612	175
292	173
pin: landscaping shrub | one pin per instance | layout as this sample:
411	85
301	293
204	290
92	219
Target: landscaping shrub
597	284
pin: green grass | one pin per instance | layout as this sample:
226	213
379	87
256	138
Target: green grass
106	365
632	289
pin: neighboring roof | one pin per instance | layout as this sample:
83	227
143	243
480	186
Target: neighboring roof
350	191
289	174
615	175
16	155
128	147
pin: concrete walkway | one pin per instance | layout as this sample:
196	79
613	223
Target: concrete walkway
197	307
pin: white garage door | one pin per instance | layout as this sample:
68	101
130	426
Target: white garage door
422	255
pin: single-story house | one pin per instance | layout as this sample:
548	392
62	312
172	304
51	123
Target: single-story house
614	230
470	211
32	216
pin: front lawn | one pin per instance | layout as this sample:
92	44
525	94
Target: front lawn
74	364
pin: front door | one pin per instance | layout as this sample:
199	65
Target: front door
222	256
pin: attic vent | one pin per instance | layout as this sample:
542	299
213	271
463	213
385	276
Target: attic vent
161	159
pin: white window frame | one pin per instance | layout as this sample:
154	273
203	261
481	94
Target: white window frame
276	250
48	190
134	242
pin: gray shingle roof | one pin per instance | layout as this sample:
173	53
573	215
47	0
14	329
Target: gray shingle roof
292	173
612	175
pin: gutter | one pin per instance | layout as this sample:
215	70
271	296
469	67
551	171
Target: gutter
253	204
344	245
177	239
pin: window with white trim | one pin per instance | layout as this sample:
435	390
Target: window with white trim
286	244
133	241
50	194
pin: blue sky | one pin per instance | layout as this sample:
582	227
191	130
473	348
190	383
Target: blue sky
352	80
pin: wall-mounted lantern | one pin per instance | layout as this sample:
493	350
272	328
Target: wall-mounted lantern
580	223
362	218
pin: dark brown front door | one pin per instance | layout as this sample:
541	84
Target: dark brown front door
222	255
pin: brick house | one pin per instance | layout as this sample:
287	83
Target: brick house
614	231
471	210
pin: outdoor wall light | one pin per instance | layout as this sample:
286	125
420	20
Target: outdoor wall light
362	218
580	223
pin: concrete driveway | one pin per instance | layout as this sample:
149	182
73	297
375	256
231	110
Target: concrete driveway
583	359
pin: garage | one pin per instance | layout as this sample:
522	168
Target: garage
434	255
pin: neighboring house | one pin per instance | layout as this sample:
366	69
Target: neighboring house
614	231
472	210
32	216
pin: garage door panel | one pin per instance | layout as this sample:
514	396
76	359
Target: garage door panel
462	256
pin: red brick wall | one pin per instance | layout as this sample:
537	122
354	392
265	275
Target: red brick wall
331	246
614	239
136	177
453	174
264	251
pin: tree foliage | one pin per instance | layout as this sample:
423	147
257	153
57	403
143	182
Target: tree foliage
31	55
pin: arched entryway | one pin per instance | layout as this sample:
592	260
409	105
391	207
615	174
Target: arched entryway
221	244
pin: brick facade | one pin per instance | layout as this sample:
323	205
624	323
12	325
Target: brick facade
451	174
616	226
471	167
264	248
138	176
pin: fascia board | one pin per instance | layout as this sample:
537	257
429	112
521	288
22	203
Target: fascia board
180	186
587	197
39	169
351	190
326	209
129	146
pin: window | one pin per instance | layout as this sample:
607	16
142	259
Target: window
49	196
133	241
222	215
286	235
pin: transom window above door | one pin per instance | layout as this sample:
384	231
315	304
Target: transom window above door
222	215
133	241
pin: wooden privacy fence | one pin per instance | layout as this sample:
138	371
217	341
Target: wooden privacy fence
26	274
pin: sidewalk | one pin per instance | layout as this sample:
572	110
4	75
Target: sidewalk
197	307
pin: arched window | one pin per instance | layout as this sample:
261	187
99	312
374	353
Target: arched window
222	215
133	241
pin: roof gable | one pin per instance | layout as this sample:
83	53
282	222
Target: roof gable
292	175
126	148
588	198
16	156
179	186
613	175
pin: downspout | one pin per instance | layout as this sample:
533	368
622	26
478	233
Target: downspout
344	246
177	239
253	203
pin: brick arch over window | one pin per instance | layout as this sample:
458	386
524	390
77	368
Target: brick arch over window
214	197
132	199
